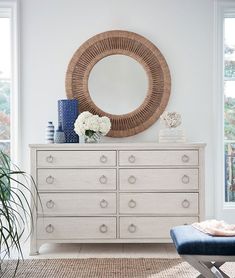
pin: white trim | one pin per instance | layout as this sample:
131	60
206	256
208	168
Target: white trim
5	12
222	9
10	8
229	79
15	84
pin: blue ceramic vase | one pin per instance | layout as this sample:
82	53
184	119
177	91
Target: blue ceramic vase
67	115
59	136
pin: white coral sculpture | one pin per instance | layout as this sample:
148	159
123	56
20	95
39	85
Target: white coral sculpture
171	119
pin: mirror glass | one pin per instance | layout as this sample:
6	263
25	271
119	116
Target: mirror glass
118	84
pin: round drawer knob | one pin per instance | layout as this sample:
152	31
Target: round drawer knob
50	204
185	204
103	179
132	179
132	228
50	229
132	204
103	203
103	159
49	180
185	179
49	159
103	228
131	159
185	158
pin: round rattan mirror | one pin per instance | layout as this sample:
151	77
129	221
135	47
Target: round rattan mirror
141	50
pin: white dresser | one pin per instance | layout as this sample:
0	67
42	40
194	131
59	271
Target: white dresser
119	192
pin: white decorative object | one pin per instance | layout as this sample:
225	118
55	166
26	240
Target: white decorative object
91	126
120	192
172	133
50	130
171	119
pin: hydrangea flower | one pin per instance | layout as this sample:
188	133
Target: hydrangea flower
88	124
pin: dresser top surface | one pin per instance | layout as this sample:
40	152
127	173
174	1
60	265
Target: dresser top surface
119	146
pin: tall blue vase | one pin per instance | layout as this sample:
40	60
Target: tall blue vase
67	115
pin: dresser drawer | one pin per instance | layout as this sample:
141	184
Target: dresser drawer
59	204
158	179
76	179
159	203
68	228
151	227
75	158
158	158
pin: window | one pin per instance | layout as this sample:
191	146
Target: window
224	106
5	83
229	107
9	78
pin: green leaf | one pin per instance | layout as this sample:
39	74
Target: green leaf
15	209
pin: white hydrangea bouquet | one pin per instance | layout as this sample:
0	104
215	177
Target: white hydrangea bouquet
92	127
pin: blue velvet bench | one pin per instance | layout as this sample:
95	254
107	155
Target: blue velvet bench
204	252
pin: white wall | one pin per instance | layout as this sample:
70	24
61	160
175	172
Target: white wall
182	29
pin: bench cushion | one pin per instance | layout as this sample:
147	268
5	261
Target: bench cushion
190	241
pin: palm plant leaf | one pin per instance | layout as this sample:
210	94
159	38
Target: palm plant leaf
15	210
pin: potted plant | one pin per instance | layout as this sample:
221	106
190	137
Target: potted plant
15	211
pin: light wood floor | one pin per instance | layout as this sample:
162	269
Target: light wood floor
146	250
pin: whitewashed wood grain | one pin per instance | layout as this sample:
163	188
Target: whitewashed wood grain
76	227
65	158
151	227
158	179
158	157
76	179
158	203
75	204
82	175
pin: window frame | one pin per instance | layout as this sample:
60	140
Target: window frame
10	8
222	209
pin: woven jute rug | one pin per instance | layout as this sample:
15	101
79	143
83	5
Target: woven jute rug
106	268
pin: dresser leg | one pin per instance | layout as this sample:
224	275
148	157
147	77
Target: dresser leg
34	253
34	250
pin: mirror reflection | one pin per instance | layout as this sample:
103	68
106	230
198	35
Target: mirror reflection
118	84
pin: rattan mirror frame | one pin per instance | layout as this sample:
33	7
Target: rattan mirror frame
140	49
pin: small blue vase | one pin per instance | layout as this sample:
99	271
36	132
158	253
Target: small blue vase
67	115
59	136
